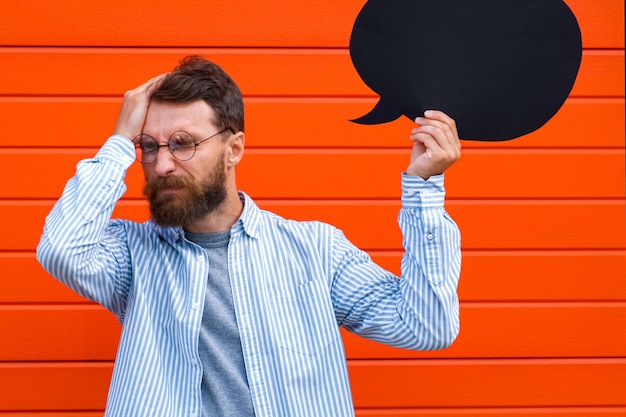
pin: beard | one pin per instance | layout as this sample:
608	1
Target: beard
193	201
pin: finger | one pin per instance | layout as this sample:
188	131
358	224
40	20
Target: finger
154	82
450	123
143	92
443	118
428	143
443	128
440	133
439	142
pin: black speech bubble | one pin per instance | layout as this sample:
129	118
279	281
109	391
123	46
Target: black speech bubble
500	68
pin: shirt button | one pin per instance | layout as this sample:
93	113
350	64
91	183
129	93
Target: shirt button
194	362
200	258
195	306
430	236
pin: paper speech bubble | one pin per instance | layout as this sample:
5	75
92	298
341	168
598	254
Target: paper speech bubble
500	68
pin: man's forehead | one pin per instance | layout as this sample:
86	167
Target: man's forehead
197	115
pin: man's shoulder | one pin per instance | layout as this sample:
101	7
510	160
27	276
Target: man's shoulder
308	229
255	218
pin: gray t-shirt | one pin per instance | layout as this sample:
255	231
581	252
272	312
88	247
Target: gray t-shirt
225	390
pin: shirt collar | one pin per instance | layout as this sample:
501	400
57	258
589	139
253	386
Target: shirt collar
249	220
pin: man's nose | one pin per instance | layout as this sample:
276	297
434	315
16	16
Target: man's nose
165	161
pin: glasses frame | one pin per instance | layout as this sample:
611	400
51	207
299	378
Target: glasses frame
169	144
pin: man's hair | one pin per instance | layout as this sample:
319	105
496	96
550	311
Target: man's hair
197	78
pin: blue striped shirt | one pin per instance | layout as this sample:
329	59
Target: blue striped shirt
293	283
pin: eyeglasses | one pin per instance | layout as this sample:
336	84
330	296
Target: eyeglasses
181	145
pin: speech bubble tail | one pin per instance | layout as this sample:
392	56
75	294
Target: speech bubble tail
381	113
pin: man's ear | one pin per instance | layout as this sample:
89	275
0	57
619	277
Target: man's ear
235	147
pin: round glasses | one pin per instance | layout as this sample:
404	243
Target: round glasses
181	145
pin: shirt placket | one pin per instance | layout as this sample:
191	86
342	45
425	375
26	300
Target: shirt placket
198	274
243	300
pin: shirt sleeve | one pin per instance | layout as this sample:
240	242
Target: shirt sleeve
419	310
80	245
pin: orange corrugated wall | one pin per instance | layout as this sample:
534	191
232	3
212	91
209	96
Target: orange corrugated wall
543	217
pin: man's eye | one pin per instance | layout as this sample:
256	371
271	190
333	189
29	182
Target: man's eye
149	147
175	145
181	141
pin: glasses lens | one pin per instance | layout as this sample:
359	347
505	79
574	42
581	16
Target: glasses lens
146	148
182	145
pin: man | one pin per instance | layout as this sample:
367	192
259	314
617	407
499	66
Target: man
229	310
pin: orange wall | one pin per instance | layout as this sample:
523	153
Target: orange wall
543	217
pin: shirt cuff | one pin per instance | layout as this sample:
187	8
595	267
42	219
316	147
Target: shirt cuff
118	149
420	193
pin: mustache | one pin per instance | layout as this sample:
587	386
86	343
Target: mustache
156	184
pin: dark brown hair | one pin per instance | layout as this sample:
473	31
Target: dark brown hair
197	78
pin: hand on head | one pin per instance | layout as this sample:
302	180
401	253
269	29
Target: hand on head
134	108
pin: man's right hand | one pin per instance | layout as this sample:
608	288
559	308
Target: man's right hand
134	108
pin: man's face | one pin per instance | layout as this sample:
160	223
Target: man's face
181	192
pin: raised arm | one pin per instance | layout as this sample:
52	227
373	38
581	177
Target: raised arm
419	310
80	245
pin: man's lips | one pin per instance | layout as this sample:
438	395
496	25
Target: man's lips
170	190
166	186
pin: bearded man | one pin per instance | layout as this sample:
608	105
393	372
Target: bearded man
227	309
